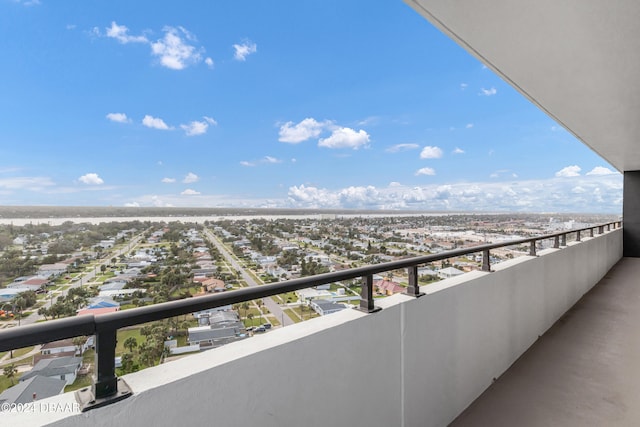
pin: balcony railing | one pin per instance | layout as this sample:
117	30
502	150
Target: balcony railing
107	387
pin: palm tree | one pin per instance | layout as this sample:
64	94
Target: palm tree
10	372
245	307
78	342
250	317
260	303
130	343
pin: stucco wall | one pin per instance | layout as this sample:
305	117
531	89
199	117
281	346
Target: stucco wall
418	362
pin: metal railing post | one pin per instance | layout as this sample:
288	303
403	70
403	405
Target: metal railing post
578	237
600	229
591	232
106	382
608	227
556	242
486	262
532	248
107	387
563	240
413	289
366	295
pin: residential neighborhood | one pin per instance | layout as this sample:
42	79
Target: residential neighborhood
75	269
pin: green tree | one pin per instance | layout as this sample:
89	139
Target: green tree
260	303
127	362
130	343
10	372
245	307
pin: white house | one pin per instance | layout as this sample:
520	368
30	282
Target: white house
445	273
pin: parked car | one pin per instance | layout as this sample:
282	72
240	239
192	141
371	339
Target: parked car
260	329
267	325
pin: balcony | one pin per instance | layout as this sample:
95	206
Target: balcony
416	362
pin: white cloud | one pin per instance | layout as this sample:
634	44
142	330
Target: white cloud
469	125
120	33
306	129
209	62
430	152
601	194
600	170
91	179
132	205
488	92
198	127
244	49
402	147
190	192
265	159
578	190
503	172
425	171
195	128
31	183
344	137
190	178
463	86
29	2
168	180
174	49
347	197
155	123
118	117
369	121
569	171
458	151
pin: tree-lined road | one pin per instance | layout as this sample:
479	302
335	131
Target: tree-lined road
273	306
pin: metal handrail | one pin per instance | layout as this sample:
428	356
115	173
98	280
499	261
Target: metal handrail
105	326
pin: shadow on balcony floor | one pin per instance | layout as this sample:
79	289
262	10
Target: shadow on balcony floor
584	371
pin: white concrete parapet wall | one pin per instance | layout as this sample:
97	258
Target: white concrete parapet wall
418	362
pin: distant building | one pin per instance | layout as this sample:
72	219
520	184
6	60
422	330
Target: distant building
219	328
32	283
448	272
56	269
387	287
60	348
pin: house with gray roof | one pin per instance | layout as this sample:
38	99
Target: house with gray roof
64	368
212	336
36	387
324	307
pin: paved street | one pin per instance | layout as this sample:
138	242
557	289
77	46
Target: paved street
85	278
273	306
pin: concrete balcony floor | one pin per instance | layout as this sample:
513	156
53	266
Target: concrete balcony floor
584	371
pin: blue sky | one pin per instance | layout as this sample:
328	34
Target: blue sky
322	104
